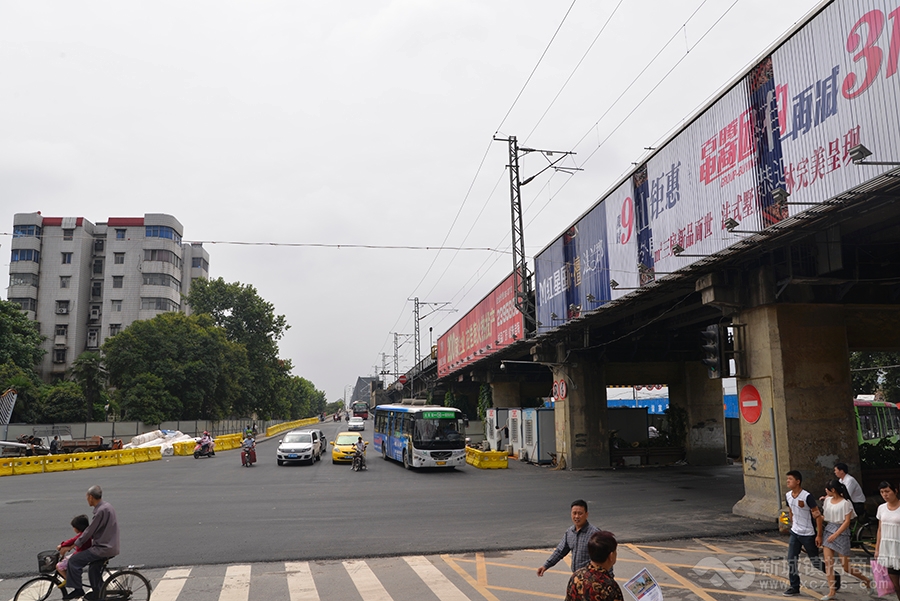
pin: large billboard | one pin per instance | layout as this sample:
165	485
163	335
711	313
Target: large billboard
492	324
787	124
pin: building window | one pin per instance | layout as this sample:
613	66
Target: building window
161	279
26	254
200	262
66	258
98	266
62	329
119	258
23	279
98	245
166	256
62	307
120	234
26	231
27	304
96	289
116	306
59	355
159	304
68	234
117	281
162	231
64	281
114	328
93	340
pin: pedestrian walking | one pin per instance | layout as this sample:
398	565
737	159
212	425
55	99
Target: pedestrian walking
887	542
595	581
857	496
575	540
838	512
806	531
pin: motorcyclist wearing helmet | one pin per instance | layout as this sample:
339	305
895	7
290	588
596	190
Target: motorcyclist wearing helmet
360	449
207	444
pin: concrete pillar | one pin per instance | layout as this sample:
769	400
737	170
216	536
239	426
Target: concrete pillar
702	398
506	394
581	432
798	360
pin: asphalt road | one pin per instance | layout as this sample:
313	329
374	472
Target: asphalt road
182	511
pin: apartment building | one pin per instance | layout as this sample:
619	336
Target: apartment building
84	282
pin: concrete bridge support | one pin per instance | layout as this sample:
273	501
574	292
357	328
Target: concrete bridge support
506	394
798	360
702	398
581	432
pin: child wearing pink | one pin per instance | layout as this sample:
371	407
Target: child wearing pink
79	524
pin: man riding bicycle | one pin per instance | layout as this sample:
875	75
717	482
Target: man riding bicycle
103	532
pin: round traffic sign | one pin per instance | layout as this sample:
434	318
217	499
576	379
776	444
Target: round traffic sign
751	403
563	389
402	379
556	391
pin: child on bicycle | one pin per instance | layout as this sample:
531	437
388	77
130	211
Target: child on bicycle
79	524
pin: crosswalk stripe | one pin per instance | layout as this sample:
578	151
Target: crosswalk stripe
237	584
366	582
301	585
170	585
435	579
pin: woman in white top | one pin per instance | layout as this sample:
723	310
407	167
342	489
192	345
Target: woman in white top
838	512
887	543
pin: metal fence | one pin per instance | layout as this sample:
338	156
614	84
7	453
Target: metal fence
126	430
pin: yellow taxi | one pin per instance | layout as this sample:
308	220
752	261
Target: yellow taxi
343	447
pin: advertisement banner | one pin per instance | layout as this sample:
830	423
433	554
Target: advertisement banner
572	275
491	325
622	221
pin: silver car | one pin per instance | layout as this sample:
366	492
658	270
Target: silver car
300	445
356	423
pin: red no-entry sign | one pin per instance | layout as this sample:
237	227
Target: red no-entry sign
402	379
751	403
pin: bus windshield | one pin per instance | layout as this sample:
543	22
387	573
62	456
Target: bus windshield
438	433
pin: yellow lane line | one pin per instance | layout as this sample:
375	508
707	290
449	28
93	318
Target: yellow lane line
472	582
523	592
676	549
780	543
712	548
481	569
694	588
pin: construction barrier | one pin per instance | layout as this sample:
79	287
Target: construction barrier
107	458
273	430
27	465
57	463
486	460
125	456
141	454
6	467
154	453
183	448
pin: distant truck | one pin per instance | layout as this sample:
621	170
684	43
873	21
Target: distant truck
39	442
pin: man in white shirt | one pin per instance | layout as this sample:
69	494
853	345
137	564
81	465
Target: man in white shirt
807	524
857	496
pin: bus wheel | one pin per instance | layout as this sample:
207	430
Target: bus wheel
384	451
406	462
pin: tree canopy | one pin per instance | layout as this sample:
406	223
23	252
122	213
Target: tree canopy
20	339
203	373
872	375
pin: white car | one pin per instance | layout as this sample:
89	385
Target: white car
356	423
300	445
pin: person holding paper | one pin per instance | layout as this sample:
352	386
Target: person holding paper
595	581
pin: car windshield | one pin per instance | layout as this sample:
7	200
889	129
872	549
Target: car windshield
347	439
298	437
445	433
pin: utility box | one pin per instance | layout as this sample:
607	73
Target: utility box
515	431
496	430
538	434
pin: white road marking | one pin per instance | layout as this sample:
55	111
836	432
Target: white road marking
365	581
435	579
301	585
237	584
171	584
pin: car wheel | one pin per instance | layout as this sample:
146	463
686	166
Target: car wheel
280	462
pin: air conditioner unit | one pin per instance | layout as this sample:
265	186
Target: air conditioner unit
62	310
92	341
95	314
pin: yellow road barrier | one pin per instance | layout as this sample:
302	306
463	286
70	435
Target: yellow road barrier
486	460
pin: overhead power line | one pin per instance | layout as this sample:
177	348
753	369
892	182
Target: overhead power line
337	245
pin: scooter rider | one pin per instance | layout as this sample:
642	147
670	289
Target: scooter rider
360	449
207	444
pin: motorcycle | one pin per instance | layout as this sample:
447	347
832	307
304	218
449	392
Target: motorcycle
248	456
359	463
204	450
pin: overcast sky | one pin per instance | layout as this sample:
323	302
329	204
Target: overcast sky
351	122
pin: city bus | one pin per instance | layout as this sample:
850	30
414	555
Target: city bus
421	435
360	409
876	420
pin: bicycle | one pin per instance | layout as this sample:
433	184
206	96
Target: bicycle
118	584
863	535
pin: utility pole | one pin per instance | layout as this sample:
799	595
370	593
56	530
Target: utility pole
521	274
384	370
397	345
418	340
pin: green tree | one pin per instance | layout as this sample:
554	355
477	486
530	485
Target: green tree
89	373
204	373
250	320
20	339
870	375
148	400
27	385
304	399
62	402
